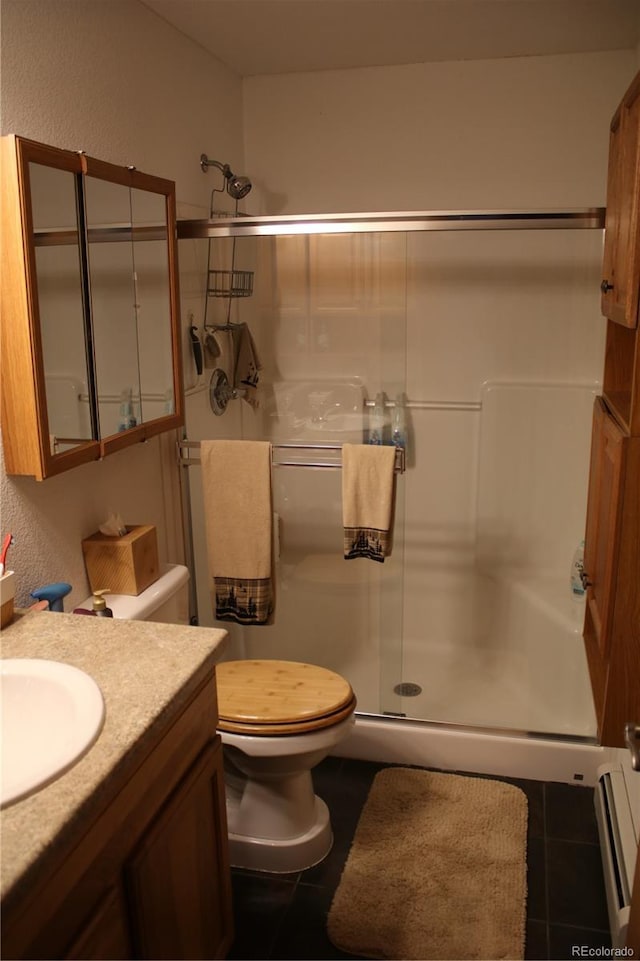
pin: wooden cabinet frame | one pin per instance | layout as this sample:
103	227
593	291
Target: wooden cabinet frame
25	420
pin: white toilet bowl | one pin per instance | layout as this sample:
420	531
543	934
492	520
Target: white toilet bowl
278	720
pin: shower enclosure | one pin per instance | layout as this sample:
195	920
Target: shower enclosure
485	328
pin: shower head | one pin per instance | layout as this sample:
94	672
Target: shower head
236	187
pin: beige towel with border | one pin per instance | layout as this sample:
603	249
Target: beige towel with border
236	482
368	486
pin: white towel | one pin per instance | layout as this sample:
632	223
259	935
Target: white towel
236	482
239	359
368	500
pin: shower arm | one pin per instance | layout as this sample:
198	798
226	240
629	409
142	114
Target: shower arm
205	163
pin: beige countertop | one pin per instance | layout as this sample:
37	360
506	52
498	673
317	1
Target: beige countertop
146	672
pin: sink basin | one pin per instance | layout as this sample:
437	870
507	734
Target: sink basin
51	715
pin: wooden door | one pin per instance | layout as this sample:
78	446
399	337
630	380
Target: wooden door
604	510
621	260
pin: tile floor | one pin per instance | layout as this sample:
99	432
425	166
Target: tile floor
283	916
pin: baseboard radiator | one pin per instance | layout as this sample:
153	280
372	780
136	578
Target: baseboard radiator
618	831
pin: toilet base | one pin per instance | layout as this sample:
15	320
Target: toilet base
288	855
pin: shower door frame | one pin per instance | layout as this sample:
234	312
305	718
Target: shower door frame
587	218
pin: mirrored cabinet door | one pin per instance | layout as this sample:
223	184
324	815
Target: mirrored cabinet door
60	299
153	304
47	402
113	304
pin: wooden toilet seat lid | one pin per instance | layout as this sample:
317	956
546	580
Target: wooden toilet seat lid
268	696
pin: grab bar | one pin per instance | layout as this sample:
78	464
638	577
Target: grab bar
432	404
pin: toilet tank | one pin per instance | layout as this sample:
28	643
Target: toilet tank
165	601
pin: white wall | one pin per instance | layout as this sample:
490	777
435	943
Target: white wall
111	78
521	132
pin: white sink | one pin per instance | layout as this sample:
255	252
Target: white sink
51	715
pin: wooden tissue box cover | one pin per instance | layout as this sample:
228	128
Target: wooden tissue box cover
122	565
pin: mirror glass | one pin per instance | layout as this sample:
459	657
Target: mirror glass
153	303
60	305
113	304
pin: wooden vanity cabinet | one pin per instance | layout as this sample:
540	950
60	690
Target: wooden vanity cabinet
90	352
612	538
150	876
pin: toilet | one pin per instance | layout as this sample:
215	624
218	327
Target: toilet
277	721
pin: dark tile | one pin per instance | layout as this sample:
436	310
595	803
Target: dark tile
303	936
345	794
260	904
575	885
565	942
537	943
570	813
536	880
534	791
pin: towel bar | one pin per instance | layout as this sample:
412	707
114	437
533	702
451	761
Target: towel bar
194	445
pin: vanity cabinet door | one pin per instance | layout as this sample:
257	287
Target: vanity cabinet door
106	936
178	879
621	261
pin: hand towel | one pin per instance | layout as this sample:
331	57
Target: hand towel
368	475
247	363
239	359
236	482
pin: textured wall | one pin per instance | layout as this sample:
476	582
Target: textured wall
111	78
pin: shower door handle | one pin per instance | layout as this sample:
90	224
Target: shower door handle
632	740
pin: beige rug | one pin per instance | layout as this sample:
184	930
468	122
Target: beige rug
436	871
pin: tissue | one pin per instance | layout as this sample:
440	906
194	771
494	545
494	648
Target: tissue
113	526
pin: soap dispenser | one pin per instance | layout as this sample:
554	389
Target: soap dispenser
100	608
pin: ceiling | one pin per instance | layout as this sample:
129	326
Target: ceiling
254	37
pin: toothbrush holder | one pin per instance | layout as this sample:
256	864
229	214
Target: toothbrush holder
7	594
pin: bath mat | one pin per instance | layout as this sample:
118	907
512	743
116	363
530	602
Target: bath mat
436	871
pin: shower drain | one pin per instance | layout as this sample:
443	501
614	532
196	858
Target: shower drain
407	689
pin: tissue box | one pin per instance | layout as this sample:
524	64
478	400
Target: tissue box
7	594
122	565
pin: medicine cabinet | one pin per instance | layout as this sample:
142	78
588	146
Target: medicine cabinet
90	308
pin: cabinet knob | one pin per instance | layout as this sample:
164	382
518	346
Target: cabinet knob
605	286
584	577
